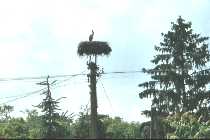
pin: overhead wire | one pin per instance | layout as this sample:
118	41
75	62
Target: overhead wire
61	76
65	80
72	75
123	72
17	97
110	103
13	96
106	95
57	85
119	77
20	95
24	96
39	77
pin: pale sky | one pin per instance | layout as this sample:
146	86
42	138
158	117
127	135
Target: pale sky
40	38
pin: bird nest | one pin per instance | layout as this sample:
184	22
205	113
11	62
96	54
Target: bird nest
93	48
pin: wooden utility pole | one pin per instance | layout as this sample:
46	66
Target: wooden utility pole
155	123
93	98
153	126
93	49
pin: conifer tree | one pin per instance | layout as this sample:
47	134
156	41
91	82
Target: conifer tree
49	107
50	117
180	76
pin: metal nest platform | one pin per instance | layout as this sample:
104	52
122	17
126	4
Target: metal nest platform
93	48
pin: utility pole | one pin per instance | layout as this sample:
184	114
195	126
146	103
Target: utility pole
93	48
153	123
93	98
154	126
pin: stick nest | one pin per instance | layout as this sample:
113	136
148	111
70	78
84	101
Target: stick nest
93	48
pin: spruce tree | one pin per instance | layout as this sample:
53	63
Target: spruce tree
50	117
180	76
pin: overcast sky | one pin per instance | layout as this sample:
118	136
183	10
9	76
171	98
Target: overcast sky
40	38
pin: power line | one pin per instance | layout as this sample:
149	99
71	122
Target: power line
120	77
62	76
22	78
34	92
20	95
12	96
80	74
123	72
110	103
23	95
40	77
59	76
113	111
56	85
26	95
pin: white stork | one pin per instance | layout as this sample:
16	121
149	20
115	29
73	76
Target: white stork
91	36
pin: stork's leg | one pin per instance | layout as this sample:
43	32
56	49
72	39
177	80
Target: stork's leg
90	58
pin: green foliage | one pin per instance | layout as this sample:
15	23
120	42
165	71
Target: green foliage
5	111
179	78
64	129
33	127
187	125
16	128
203	133
107	127
117	128
50	118
34	123
80	128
